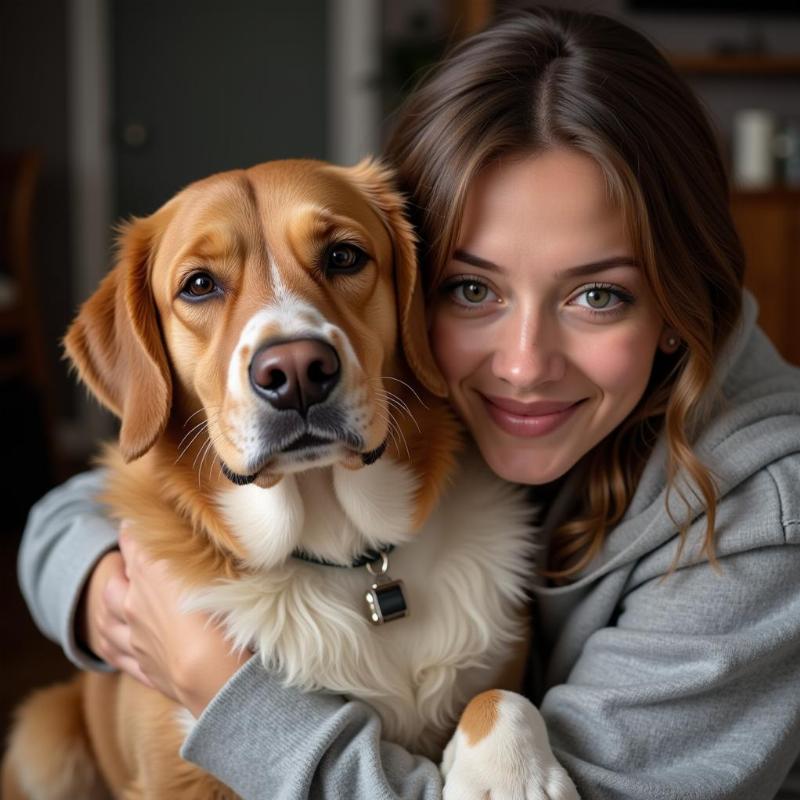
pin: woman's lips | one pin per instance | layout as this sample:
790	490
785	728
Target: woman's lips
529	419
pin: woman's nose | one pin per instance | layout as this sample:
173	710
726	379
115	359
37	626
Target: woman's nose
528	352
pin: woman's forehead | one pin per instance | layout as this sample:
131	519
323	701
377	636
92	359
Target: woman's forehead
551	207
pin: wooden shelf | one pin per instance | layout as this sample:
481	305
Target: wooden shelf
772	65
785	194
768	222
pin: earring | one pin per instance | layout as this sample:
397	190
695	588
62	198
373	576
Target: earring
670	344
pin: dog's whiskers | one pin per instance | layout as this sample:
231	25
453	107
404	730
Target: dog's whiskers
397	439
214	408
200	452
382	391
215	460
203	426
398	403
394	430
406	384
204	450
395	403
194	428
391	426
212	442
188	419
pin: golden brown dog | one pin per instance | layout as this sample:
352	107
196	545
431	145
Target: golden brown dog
262	339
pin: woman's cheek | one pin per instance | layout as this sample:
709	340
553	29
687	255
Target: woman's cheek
453	347
620	362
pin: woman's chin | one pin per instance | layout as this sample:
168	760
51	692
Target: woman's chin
530	469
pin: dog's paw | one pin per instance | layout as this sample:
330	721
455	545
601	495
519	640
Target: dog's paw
500	751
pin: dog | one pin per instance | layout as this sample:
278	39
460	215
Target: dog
285	443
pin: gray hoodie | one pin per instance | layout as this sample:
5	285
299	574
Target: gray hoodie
653	684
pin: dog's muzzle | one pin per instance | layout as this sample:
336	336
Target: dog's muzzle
295	377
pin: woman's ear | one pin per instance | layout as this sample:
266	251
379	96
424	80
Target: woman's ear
376	182
115	343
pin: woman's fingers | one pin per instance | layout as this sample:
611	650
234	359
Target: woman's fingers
99	615
104	623
131	666
181	654
114	592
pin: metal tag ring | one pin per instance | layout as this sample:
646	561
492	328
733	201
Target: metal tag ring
384	568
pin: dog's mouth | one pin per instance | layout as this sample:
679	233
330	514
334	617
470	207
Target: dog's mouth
307	447
307	440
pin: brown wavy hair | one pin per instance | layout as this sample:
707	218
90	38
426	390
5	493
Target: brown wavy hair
546	78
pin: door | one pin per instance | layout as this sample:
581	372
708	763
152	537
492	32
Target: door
201	86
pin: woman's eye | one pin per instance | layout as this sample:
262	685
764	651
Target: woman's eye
470	292
599	298
345	259
474	292
199	285
602	298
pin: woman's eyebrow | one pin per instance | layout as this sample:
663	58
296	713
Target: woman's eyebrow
570	272
597	266
476	261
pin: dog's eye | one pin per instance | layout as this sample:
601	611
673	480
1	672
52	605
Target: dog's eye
201	284
345	259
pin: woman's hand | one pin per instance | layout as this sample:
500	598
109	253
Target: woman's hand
103	626
184	656
132	619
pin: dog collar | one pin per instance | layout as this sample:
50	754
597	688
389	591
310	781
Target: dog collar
367	557
386	600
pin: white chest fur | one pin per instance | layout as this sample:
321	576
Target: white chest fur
464	574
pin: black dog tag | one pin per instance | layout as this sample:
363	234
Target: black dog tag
386	601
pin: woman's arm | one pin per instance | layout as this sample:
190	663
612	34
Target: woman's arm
268	741
260	738
694	690
67	533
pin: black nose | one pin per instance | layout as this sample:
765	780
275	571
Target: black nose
296	374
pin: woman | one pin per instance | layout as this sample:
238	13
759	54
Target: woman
586	307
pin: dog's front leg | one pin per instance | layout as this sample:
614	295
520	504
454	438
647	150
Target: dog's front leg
500	751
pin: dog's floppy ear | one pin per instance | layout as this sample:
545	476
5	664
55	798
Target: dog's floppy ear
115	343
377	183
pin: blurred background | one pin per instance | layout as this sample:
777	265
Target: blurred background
110	106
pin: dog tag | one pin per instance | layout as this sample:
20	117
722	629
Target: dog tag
386	599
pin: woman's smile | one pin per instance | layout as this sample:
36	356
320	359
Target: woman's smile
529	419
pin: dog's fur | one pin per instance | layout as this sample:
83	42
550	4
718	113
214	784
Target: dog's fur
176	373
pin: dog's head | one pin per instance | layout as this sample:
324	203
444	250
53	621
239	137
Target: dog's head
276	300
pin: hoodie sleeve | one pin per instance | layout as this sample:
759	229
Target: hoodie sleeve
692	690
266	740
66	534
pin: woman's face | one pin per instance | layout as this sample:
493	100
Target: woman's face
544	326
